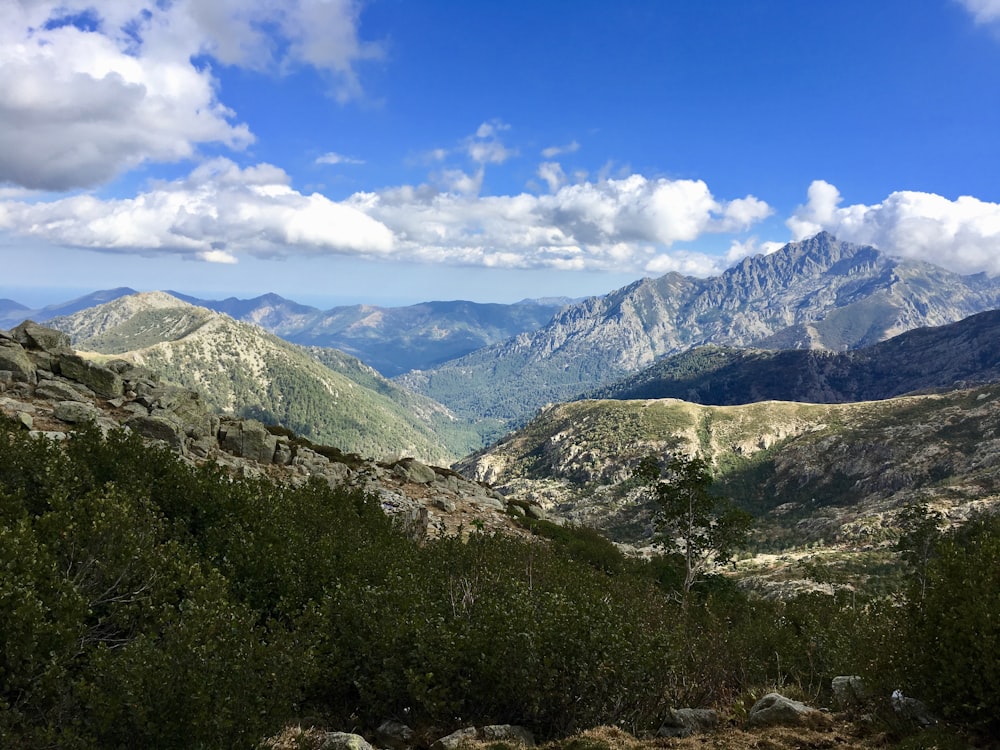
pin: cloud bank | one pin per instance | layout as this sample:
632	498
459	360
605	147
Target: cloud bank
87	95
962	235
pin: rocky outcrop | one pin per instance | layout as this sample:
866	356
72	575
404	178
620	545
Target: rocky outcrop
52	390
683	722
774	710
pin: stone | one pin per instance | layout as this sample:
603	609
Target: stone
536	511
25	420
56	390
158	427
911	709
412	470
848	691
248	438
775	710
484	501
75	412
445	504
455	740
34	336
683	722
283	452
16	361
101	380
394	735
508	733
343	741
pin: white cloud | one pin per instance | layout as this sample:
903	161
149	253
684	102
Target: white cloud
553	151
218	213
962	235
738	250
485	146
553	175
984	11
335	158
85	102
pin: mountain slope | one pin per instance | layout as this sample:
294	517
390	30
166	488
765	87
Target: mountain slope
810	472
11	316
816	294
393	340
941	357
241	369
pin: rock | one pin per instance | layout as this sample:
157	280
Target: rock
507	733
911	709
487	502
34	336
775	709
25	420
56	390
248	438
536	511
101	380
394	735
411	470
53	435
445	504
515	510
158	427
455	740
15	360
848	690
683	722
75	412
283	452
343	741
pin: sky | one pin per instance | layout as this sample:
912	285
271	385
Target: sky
397	151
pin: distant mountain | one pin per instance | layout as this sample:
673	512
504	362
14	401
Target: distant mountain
323	395
16	313
393	340
942	357
815	294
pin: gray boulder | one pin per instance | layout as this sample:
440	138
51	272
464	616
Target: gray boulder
57	390
158	427
683	722
343	741
99	379
775	710
248	438
848	691
34	336
394	735
15	360
411	470
456	739
75	412
508	733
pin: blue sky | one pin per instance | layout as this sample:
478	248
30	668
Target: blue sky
394	151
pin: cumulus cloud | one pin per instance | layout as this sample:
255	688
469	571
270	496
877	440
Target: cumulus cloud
216	214
220	212
962	235
485	147
553	175
89	90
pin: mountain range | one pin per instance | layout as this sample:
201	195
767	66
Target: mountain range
816	294
393	340
321	394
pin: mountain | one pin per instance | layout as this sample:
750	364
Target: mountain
13	313
838	474
393	340
816	294
241	369
941	357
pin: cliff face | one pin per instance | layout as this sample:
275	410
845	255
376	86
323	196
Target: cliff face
816	294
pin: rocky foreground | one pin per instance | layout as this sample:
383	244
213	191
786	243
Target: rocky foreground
52	390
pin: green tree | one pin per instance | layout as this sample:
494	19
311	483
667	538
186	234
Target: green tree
704	528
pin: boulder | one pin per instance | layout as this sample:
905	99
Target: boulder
34	336
455	740
775	709
15	360
75	412
394	735
411	470
343	741
248	438
911	709
848	691
158	427
507	733
57	390
99	379
683	722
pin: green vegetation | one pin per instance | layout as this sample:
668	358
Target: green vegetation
147	603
